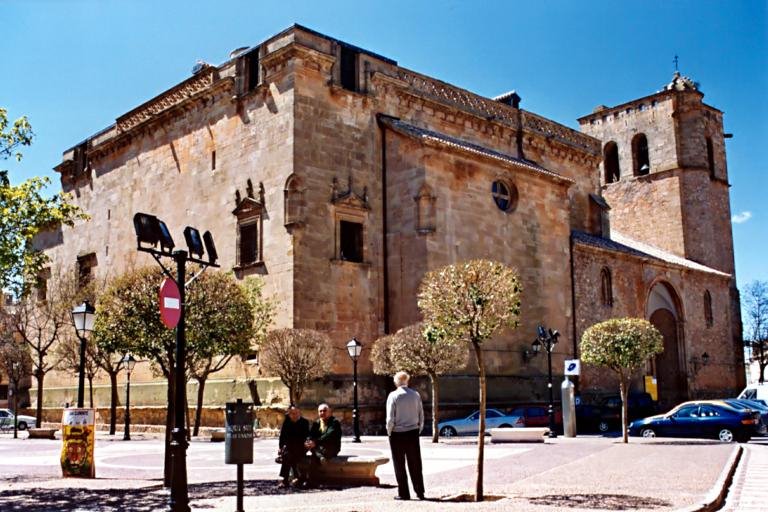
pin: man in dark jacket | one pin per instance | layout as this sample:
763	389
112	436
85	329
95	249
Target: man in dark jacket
324	440
293	433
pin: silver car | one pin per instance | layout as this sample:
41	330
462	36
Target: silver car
6	420
494	418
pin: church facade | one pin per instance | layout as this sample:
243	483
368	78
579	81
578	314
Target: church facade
340	178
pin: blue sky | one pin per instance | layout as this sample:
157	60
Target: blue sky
73	66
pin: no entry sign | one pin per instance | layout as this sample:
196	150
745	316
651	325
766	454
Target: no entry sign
170	303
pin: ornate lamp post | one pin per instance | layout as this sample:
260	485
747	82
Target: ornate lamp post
129	361
355	348
16	377
83	317
548	340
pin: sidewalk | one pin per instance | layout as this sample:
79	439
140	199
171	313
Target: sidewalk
589	473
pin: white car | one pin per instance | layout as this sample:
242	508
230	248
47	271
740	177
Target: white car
494	418
6	420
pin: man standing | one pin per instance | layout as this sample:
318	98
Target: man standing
291	449
405	419
324	440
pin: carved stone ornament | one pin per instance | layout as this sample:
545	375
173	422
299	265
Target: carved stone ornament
349	198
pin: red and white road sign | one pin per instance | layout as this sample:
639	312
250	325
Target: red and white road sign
170	303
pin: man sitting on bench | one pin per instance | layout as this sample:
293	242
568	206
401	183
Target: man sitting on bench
324	441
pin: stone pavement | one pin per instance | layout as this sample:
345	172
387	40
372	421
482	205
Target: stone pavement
749	490
587	473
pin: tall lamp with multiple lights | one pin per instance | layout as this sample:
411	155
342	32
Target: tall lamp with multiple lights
129	361
83	317
548	340
355	348
153	237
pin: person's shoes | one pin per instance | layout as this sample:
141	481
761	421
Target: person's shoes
283	484
421	496
296	482
402	498
306	484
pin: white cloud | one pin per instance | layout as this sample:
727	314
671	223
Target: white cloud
742	217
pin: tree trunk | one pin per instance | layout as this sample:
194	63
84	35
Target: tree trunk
168	427
39	375
199	408
187	424
292	395
435	401
624	390
112	402
481	433
90	390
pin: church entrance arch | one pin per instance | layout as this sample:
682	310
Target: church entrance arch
663	312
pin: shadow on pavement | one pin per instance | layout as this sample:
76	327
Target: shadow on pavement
143	499
600	501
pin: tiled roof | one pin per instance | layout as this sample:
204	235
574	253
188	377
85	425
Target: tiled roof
622	243
446	140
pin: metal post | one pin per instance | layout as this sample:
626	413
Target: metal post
81	377
240	489
16	410
552	433
179	501
355	412
127	430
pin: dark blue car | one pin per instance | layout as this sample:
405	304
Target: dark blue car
709	418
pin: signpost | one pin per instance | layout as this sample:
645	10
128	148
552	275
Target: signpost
238	441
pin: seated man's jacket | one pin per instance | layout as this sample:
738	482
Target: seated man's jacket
293	434
330	440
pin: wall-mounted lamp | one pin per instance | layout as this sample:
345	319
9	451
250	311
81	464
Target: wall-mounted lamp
699	362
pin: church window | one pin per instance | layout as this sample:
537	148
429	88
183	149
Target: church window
252	64
425	210
294	202
348	68
350	241
41	287
611	162
85	264
606	287
708	318
504	195
710	158
248	243
250	229
640	155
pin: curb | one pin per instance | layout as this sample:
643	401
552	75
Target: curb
716	496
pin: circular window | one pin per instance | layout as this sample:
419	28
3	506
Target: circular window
504	195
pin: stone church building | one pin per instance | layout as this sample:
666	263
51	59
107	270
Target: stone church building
340	178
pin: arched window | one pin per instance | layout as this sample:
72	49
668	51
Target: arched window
708	318
710	158
425	210
642	164
606	287
504	194
611	162
294	202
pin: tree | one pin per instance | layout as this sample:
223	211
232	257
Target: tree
470	302
128	320
623	345
218	338
419	350
756	308
16	363
297	356
24	212
68	355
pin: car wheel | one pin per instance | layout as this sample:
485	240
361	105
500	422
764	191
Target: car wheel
726	435
448	432
22	425
505	425
603	426
648	432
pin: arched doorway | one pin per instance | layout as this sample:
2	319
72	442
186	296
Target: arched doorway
664	314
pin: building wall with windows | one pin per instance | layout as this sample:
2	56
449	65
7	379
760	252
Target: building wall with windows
341	178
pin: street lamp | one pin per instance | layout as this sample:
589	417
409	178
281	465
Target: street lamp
355	348
129	361
83	317
547	339
15	366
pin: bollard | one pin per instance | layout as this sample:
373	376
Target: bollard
569	408
238	441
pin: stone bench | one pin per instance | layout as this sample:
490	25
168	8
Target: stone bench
42	433
518	434
218	436
348	470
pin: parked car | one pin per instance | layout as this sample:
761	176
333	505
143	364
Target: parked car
708	418
640	405
589	418
751	404
6	420
494	418
758	391
537	415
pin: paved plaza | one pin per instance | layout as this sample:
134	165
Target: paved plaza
586	473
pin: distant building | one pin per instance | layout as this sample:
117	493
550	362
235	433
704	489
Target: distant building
341	178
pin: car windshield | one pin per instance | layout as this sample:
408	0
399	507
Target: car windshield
492	413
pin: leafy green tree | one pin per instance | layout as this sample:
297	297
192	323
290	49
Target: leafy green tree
297	356
471	302
14	362
420	350
623	345
24	212
218	322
